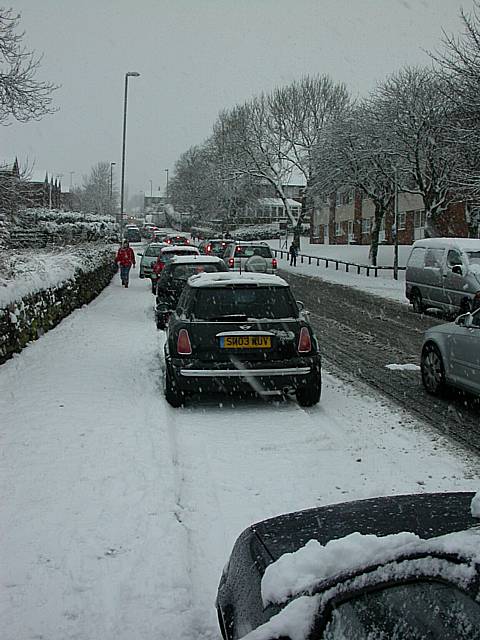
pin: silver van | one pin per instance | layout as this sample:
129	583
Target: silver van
444	273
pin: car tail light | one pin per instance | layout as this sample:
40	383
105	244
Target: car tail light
304	341
184	348
231	263
208	248
274	263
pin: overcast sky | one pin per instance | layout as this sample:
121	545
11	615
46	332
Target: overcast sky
195	58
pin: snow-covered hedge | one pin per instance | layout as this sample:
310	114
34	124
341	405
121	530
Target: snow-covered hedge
38	290
257	232
252	232
39	227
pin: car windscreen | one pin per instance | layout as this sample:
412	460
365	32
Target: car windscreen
407	612
248	301
473	257
153	252
245	251
184	271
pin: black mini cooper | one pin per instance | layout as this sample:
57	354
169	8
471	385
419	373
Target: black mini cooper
240	332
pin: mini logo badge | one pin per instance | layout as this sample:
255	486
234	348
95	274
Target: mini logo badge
245	327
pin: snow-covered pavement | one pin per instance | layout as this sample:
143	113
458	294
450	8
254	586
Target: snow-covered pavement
118	512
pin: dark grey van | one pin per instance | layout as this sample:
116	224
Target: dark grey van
444	273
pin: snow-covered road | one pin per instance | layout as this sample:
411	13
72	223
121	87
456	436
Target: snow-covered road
118	512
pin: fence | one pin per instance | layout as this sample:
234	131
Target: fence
368	268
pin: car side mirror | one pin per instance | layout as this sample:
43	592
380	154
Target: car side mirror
139	254
300	305
465	320
457	269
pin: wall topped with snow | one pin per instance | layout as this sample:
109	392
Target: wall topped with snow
37	291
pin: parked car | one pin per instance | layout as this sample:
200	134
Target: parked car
173	279
237	254
451	355
176	239
149	257
240	332
343	579
166	254
214	247
132	234
444	273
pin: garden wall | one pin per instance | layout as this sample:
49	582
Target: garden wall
28	318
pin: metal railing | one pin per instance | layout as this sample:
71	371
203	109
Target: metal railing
367	268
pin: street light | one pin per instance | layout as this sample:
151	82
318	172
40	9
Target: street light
112	164
129	74
395	247
166	188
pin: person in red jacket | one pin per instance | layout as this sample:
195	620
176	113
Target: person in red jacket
126	259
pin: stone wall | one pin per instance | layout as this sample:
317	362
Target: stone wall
29	318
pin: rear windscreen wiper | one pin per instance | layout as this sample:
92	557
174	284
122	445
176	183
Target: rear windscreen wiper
231	316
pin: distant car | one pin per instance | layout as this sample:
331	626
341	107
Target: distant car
132	234
166	254
176	239
214	247
451	355
237	254
149	257
159	236
356	588
173	279
237	332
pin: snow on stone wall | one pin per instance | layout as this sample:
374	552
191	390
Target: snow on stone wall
38	291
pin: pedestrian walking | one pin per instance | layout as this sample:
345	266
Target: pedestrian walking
126	259
293	255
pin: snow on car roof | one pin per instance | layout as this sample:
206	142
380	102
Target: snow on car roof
195	258
467	244
173	248
224	278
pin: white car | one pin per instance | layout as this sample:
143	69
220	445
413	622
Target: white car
238	254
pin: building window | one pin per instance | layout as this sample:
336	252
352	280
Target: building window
365	225
401	221
338	229
419	218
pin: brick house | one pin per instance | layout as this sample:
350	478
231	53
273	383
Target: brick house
348	218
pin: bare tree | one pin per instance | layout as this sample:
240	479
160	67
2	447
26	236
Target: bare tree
95	192
249	147
22	96
301	112
459	66
415	117
354	155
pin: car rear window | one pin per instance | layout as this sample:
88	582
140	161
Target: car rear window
152	252
168	255
252	302
184	271
245	251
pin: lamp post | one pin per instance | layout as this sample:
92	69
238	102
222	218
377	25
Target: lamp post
151	188
129	74
112	164
166	187
395	246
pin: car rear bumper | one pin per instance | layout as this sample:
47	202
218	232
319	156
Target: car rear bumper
192	376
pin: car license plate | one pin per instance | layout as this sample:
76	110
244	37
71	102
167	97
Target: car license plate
245	342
